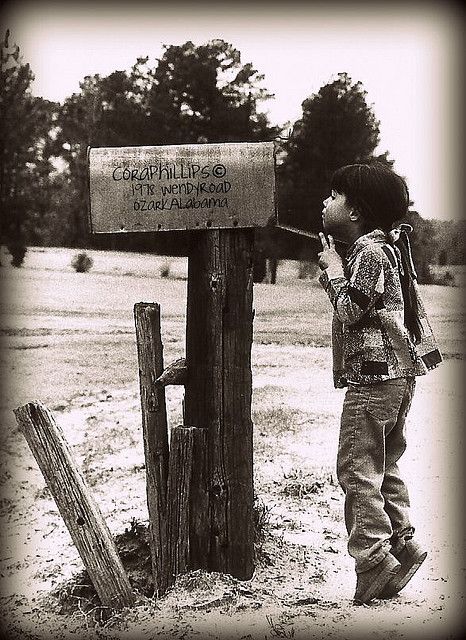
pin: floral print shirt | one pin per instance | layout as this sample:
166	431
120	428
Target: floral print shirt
370	342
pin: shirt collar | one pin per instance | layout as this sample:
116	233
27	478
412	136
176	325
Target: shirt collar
376	236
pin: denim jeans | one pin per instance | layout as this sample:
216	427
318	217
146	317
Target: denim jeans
372	440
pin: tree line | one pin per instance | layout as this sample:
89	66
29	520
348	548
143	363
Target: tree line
194	94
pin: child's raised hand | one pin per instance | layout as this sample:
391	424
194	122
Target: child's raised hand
328	257
327	244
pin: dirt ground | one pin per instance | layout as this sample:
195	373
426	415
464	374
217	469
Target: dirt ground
68	340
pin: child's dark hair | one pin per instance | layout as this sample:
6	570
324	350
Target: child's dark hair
379	194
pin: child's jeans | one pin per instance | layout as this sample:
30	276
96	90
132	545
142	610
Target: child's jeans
372	440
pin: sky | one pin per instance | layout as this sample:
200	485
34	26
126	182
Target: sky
406	55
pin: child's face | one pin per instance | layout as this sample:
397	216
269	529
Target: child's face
336	215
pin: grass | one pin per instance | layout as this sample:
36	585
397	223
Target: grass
276	419
300	484
261	520
78	597
55	320
280	628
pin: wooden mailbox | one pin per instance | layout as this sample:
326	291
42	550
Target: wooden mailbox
219	192
178	187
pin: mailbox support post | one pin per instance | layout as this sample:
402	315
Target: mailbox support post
218	390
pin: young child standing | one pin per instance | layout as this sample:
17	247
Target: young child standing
381	340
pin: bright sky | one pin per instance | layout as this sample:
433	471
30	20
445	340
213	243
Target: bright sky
407	57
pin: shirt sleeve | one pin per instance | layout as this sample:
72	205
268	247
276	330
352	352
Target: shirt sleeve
354	297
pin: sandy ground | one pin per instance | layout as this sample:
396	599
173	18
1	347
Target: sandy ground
69	342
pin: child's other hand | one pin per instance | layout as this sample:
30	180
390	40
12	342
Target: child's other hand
328	257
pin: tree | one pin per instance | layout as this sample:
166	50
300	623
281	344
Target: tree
449	241
195	94
106	112
337	127
435	242
205	94
24	154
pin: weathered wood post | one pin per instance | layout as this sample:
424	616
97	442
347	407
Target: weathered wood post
220	192
219	389
155	435
82	516
182	509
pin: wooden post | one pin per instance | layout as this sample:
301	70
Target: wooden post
155	435
219	389
179	485
223	191
199	504
82	516
187	500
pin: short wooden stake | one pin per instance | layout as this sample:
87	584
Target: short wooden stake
155	435
199	532
187	500
82	516
179	486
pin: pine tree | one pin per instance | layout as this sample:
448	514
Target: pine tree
206	94
195	94
24	152
337	127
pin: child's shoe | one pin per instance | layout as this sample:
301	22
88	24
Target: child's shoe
371	583
411	557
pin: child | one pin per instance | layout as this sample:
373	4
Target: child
381	340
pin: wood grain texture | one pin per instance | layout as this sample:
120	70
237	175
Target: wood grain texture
179	488
155	435
76	505
199	503
174	373
219	388
195	186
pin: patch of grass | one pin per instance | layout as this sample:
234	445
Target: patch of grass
26	347
81	262
261	519
165	270
43	493
79	597
299	484
18	252
281	628
275	419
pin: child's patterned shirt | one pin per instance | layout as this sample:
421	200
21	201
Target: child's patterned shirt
370	342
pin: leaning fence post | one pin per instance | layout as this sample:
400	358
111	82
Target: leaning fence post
82	516
155	435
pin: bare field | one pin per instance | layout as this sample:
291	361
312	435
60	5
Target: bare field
68	340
